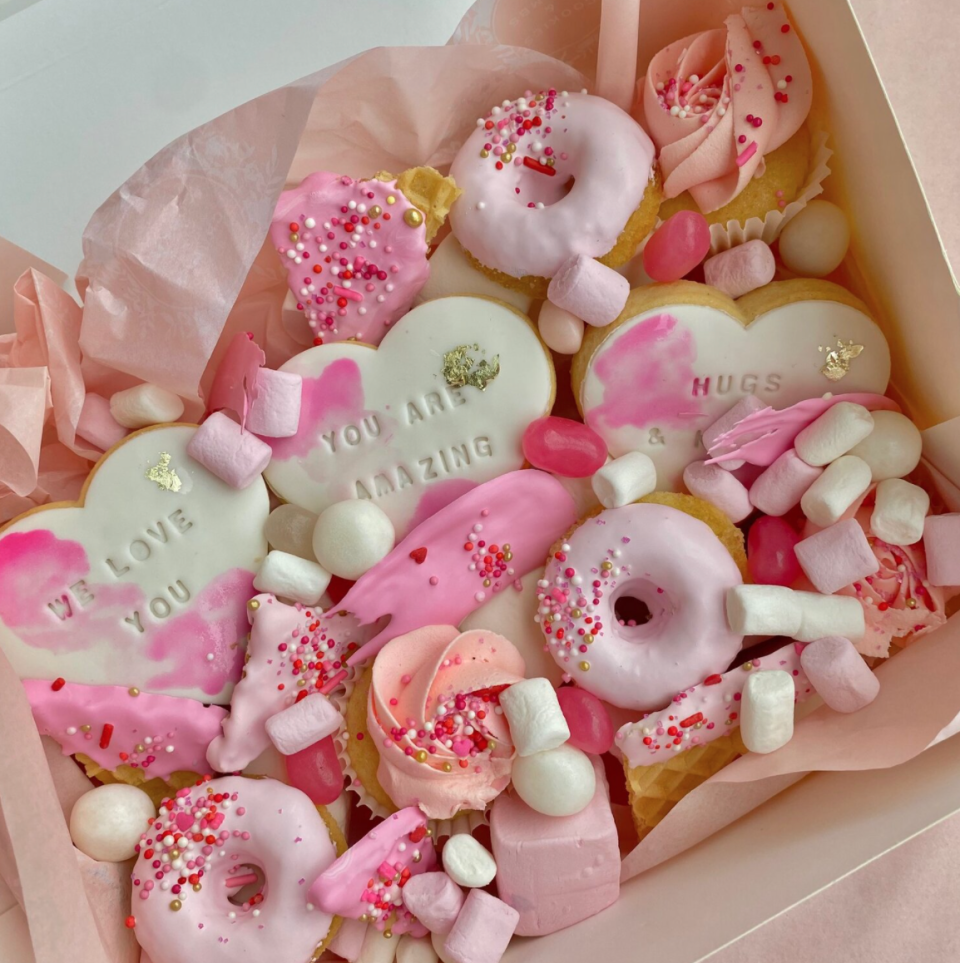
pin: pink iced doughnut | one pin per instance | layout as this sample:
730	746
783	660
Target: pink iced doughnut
651	565
214	840
519	212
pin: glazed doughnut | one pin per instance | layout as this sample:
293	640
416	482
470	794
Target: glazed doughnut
549	176
208	838
675	572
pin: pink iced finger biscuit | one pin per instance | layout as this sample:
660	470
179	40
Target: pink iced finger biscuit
839	674
227	451
435	900
941	541
97	425
275	412
745	406
302	724
742	269
836	556
589	290
720	488
783	484
482	931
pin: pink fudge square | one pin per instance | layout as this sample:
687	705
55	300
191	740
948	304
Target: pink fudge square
941	542
482	931
836	556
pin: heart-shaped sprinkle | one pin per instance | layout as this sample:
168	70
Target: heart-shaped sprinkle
419	555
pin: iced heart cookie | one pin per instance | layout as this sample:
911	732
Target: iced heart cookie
682	354
439	407
144	582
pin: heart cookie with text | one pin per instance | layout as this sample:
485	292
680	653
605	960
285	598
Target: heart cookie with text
681	355
144	582
439	407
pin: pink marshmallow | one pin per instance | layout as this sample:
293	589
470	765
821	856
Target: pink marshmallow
590	290
96	425
745	406
839	674
836	556
720	488
275	412
741	269
348	941
783	484
941	542
434	899
302	724
234	456
556	871
482	931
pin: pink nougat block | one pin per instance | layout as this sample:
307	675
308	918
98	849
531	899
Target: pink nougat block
434	899
275	412
225	450
836	556
97	425
839	674
745	406
302	724
556	871
482	931
741	269
590	290
941	542
783	484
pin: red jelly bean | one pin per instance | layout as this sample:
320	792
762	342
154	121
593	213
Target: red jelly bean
591	729
316	771
563	446
678	245
770	554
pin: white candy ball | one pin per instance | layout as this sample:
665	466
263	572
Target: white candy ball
467	862
561	331
351	537
289	528
557	782
892	449
107	822
815	242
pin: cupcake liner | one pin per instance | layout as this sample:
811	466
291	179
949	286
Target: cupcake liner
464	822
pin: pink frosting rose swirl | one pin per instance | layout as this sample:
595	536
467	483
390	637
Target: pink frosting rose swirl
716	103
435	710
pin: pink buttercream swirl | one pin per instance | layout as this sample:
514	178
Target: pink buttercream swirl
716	103
434	710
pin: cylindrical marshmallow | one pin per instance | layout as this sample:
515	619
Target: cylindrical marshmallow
413	950
224	449
837	671
96	425
558	782
625	479
106	822
822	615
941	543
304	723
467	862
834	433
535	717
741	269
836	556
763	610
842	483
892	449
350	537
289	528
766	710
561	331
143	405
721	488
482	931
783	484
747	405
376	947
589	290
900	511
292	577
347	941
275	412
434	899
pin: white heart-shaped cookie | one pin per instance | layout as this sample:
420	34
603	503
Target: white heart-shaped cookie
144	582
397	424
682	354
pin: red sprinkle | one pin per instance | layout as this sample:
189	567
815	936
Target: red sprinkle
106	735
130	922
58	684
691	720
419	555
713	680
535	165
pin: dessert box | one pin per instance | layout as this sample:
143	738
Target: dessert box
828	825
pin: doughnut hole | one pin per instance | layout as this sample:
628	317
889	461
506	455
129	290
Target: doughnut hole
630	609
246	885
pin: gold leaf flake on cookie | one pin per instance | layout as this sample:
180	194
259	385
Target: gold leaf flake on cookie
836	364
460	369
163	475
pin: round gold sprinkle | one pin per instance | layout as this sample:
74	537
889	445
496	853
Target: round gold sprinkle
375	211
421	756
486	583
253	605
508	556
606	566
429	831
589	638
364	918
412	218
133	690
197	887
585	666
391	199
140	747
174	853
388	934
491	744
417	856
747	666
484	153
301	683
911	603
84	728
175	905
447	767
294	237
576	613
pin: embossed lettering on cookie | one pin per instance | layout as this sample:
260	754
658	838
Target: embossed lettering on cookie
439	407
144	582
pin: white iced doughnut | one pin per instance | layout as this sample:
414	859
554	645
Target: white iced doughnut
106	822
351	537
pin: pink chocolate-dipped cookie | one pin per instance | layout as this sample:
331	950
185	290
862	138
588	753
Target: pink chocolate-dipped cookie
355	254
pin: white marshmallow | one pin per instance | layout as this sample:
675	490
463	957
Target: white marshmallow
144	405
106	823
436	941
412	950
763	610
376	947
536	719
625	479
823	615
292	577
842	483
766	710
289	528
892	449
834	433
467	862
558	782
304	723
350	537
899	512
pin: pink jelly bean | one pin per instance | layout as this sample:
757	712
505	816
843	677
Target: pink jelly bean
316	771
564	447
678	245
591	729
770	555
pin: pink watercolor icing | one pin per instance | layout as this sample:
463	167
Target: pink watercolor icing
115	726
390	854
439	496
